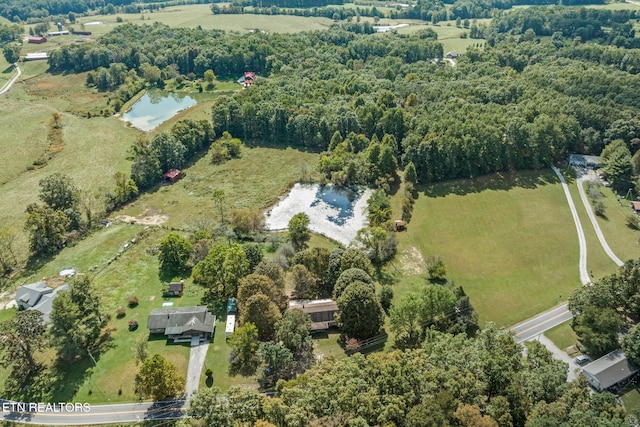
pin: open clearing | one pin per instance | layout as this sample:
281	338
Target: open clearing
507	239
200	15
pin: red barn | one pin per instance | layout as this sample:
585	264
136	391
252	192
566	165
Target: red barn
37	40
172	175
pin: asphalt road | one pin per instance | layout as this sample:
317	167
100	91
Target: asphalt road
104	414
531	328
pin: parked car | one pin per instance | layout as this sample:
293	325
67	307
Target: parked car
582	360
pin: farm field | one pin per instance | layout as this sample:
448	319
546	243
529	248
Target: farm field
507	239
200	15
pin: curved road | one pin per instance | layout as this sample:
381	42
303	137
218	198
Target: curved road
10	83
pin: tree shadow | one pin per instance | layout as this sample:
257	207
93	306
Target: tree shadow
496	181
68	377
8	70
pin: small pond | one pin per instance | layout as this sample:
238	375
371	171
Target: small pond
337	213
156	107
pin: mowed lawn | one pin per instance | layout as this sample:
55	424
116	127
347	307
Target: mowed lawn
508	239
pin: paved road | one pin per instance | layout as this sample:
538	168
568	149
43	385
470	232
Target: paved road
574	370
592	216
104	414
531	328
196	361
10	83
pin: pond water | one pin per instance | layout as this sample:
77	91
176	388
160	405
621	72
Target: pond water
335	212
156	107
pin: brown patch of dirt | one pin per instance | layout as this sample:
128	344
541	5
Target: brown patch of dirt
152	297
146	220
54	282
412	262
45	85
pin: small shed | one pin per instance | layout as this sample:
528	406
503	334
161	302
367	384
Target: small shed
175	289
635	207
172	175
322	312
37	40
247	79
400	225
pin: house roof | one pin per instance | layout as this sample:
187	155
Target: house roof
45	305
177	320
584	159
31	294
611	368
635	206
314	306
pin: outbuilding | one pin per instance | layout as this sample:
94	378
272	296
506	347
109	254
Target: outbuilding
37	40
172	175
322	312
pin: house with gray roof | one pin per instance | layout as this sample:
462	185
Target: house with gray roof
28	296
182	324
38	296
610	370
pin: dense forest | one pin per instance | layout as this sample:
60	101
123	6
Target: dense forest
520	103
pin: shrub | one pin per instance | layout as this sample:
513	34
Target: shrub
208	373
132	301
120	313
633	222
133	324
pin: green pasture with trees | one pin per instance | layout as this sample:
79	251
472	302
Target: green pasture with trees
460	153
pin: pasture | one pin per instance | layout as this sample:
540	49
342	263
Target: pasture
200	15
507	239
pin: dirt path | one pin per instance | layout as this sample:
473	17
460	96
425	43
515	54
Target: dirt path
592	216
582	264
146	220
10	83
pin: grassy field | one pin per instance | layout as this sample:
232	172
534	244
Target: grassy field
624	241
562	335
508	239
448	34
200	15
248	182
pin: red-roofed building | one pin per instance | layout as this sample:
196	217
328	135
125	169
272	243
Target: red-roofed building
37	40
247	79
172	175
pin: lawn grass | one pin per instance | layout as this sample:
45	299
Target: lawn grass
562	335
507	239
192	16
248	182
217	360
631	401
623	240
448	34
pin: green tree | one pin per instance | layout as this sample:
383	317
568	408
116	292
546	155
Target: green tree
355	258
618	165
263	313
8	259
410	174
405	319
59	192
254	284
379	208
159	379
437	271
361	315
244	345
235	267
349	276
21	339
273	271
304	283
385	295
210	406
598	330
631	344
299	230
47	228
77	320
168	150
379	245
276	363
11	53
209	77
175	252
